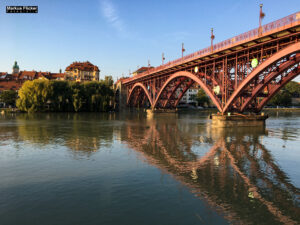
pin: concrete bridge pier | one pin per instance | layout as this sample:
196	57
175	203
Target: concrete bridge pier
238	120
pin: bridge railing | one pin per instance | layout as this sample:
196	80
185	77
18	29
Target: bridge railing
268	28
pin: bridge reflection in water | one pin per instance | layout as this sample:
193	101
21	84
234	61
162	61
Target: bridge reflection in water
230	169
237	175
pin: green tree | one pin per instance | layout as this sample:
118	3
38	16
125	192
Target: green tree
64	96
33	96
202	98
108	80
285	95
9	97
283	98
293	88
78	96
60	96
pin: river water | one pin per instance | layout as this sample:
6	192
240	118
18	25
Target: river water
133	169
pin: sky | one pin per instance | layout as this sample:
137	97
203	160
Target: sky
121	35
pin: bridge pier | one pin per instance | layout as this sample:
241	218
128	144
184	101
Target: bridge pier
238	120
163	110
168	113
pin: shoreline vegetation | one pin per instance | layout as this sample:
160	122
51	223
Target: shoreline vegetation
64	96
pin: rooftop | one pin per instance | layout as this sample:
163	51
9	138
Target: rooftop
82	66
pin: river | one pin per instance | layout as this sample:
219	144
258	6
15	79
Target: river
132	169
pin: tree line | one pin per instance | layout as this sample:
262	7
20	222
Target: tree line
285	95
64	96
282	98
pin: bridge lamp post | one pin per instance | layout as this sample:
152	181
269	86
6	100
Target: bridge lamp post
182	50
163	58
212	37
261	16
149	65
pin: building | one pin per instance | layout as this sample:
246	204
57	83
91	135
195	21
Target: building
141	70
77	71
15	80
82	71
16	68
189	96
10	85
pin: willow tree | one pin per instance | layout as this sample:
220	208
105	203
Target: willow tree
60	96
33	96
64	96
78	96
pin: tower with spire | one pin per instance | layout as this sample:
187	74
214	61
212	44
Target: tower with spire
16	68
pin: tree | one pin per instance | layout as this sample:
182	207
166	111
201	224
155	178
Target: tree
9	97
64	96
33	96
78	96
283	98
202	98
285	95
60	96
293	88
108	81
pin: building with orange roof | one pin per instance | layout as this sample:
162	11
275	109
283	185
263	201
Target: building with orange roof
83	71
79	71
27	75
15	80
10	85
3	75
58	76
141	70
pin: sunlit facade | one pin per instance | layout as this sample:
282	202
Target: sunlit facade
83	71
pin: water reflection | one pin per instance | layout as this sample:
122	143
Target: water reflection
230	168
81	133
237	174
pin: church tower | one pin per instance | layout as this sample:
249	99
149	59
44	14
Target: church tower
16	68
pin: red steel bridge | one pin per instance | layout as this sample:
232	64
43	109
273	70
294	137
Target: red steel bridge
239	74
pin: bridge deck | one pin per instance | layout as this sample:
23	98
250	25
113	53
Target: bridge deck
276	29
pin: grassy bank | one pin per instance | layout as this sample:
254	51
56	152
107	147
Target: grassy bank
281	109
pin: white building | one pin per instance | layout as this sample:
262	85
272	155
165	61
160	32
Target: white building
188	97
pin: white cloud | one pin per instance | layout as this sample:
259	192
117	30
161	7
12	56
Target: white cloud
110	13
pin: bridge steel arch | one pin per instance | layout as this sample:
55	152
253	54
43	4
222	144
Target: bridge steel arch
283	68
193	77
173	91
286	52
290	76
187	87
134	88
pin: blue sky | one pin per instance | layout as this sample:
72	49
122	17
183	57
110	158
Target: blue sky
120	35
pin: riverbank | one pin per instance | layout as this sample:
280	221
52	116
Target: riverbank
180	110
281	109
9	110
